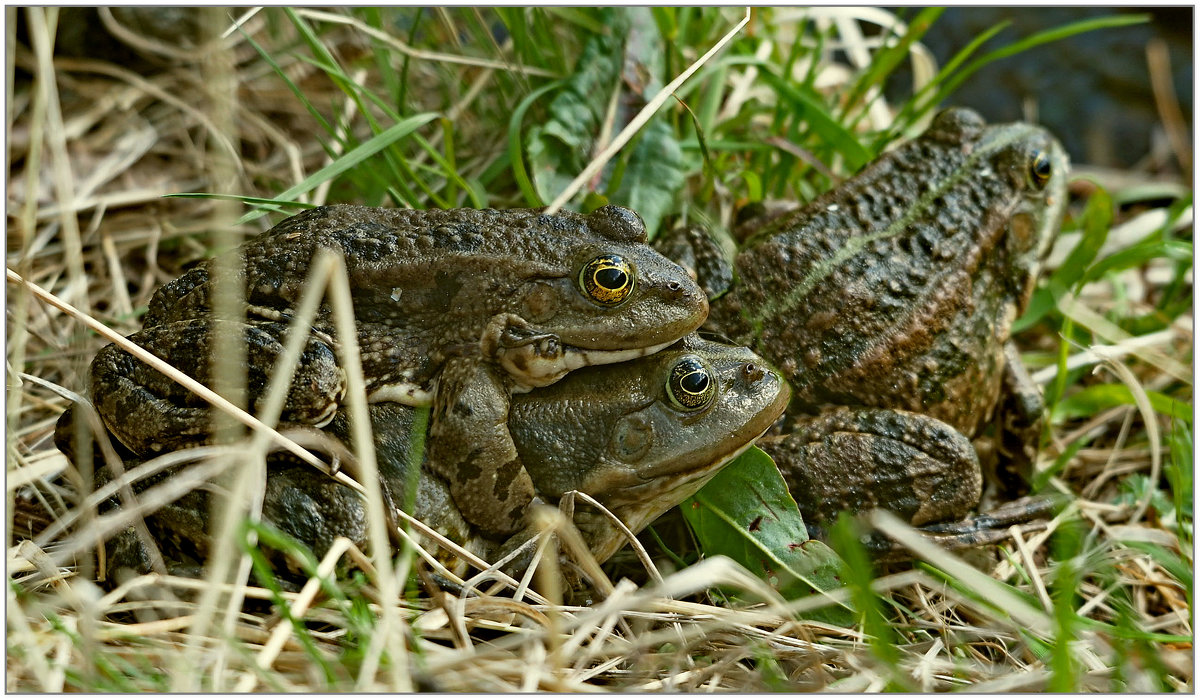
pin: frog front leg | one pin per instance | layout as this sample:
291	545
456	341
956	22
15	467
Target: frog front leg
471	448
151	413
530	357
918	467
1018	429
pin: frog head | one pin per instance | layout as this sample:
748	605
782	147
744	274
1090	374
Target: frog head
612	297
1023	170
642	436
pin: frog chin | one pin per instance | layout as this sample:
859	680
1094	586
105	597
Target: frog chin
531	370
638	506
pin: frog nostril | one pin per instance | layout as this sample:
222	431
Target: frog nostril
675	288
752	372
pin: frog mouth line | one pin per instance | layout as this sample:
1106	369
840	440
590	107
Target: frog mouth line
542	370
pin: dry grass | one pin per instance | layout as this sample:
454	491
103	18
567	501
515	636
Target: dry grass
93	147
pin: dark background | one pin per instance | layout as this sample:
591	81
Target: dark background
1092	90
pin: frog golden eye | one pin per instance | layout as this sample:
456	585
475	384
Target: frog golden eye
607	280
691	386
1040	170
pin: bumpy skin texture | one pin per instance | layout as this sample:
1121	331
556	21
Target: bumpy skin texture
611	431
898	290
457	308
915	466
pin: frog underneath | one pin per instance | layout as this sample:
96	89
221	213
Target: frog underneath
639	437
459	309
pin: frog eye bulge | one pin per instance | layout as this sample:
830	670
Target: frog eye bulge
607	280
691	386
1040	170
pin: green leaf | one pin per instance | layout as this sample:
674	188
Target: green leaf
1097	220
653	176
515	123
1140	253
558	149
747	514
1094	399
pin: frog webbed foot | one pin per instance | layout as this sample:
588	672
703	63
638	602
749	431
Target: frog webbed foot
150	413
471	448
918	467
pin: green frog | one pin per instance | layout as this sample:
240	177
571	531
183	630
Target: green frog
639	437
457	309
888	302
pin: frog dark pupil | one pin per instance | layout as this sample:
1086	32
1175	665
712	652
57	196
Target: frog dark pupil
1041	168
695	383
611	278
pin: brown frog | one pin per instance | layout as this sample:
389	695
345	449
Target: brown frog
639	437
458	309
888	303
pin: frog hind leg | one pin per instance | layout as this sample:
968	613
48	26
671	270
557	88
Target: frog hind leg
918	467
1018	427
151	413
471	448
1026	515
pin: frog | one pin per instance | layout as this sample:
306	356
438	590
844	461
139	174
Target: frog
458	309
639	437
888	304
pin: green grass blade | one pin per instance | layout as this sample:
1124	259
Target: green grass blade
811	109
368	148
516	150
1038	39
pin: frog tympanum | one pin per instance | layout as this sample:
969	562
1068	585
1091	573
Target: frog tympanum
887	303
459	309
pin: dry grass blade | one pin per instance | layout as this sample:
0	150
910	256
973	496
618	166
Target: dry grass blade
191	384
419	54
108	114
643	116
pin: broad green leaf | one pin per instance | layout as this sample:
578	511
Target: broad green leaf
653	175
747	514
